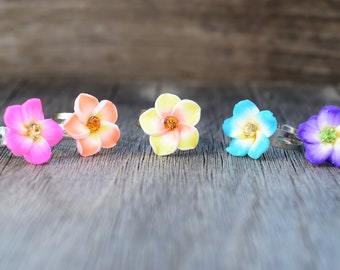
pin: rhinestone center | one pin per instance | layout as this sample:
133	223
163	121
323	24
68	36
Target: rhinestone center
170	123
93	123
249	130
34	131
328	135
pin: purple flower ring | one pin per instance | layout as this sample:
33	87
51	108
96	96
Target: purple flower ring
321	136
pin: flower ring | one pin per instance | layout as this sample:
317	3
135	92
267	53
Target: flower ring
171	124
28	134
321	136
92	124
250	129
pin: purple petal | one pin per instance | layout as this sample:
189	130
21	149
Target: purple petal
51	131
309	131
329	116
39	153
318	153
13	118
17	143
32	110
335	157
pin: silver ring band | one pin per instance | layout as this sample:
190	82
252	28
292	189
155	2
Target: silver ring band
286	137
3	136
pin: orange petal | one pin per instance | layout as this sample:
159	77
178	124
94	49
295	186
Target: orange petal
165	103
106	111
109	134
74	128
90	145
84	106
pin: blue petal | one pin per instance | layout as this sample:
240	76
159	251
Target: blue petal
260	146
231	128
245	109
309	131
267	122
239	147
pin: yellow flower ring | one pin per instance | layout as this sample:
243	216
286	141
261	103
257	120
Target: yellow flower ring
171	124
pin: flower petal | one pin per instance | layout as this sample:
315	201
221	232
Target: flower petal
239	147
318	153
84	106
309	131
106	111
51	131
260	146
188	137
187	111
165	103
13	118
335	157
89	145
39	153
329	116
109	134
245	109
151	123
17	143
165	144
75	128
267	122
232	128
32	110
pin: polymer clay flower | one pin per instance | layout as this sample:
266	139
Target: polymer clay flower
92	124
321	136
249	129
29	134
171	124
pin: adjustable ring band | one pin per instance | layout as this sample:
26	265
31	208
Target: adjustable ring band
3	136
61	117
286	137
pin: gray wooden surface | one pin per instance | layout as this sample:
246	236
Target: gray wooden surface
215	41
126	208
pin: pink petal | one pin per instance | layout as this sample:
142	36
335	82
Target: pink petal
109	134
39	153
74	128
51	131
17	143
32	110
106	111
13	118
84	106
90	145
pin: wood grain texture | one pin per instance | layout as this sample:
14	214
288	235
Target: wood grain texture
126	208
216	41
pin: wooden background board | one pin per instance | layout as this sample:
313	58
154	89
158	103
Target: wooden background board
126	208
215	41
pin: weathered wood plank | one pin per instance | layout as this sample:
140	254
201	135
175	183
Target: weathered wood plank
215	42
126	208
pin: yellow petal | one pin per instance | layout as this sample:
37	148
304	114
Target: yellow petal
165	103
187	111
188	138
151	123
165	144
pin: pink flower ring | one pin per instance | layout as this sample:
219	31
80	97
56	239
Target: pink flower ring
29	134
92	124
